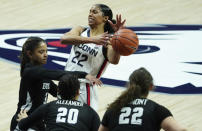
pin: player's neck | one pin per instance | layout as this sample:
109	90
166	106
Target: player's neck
97	30
144	96
76	97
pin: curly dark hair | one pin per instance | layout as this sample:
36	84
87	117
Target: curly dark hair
68	87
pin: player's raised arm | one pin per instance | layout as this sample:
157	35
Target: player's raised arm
73	37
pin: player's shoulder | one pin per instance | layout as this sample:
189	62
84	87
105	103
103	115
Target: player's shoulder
52	103
29	68
144	102
79	28
152	102
89	109
155	105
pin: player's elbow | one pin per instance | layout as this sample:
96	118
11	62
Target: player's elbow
114	61
64	40
170	124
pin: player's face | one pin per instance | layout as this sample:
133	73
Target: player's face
95	16
39	56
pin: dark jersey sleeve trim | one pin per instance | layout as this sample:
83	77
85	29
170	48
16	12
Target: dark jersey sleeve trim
104	51
94	118
96	121
162	113
105	119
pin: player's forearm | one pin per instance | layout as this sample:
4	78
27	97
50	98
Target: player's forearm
39	72
75	40
36	116
112	55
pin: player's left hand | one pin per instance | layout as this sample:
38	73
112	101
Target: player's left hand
101	39
93	79
22	115
119	23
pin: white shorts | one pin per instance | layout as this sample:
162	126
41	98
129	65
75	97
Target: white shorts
88	95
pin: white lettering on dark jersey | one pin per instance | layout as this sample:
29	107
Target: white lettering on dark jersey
131	115
139	102
69	102
46	86
88	49
67	115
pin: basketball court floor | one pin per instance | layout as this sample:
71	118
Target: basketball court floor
56	14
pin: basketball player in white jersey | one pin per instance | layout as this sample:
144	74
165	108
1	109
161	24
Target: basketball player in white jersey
91	51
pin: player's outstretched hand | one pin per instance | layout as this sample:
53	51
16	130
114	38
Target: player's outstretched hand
22	115
93	79
119	23
101	39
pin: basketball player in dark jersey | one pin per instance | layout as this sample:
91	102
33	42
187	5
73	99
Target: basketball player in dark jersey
36	81
132	111
65	114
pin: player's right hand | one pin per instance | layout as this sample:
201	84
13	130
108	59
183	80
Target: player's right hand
22	115
94	80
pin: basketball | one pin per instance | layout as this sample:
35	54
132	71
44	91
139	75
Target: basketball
125	42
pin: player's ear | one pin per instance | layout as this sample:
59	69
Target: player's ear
106	18
151	87
29	54
77	95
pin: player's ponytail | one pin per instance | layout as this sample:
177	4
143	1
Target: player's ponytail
133	92
107	12
30	45
24	59
139	84
108	28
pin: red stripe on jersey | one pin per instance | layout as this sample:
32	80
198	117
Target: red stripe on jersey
101	69
88	93
56	43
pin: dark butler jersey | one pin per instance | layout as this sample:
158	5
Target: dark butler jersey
139	115
63	115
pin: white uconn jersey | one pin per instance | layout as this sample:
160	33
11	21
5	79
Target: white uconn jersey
87	57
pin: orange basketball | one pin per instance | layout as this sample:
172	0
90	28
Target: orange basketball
125	42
